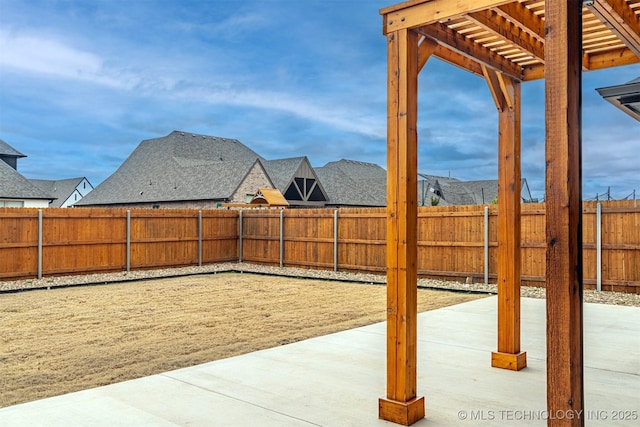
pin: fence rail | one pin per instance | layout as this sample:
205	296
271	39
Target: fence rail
453	242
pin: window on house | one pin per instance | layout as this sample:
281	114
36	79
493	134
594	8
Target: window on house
316	195
292	193
248	197
11	204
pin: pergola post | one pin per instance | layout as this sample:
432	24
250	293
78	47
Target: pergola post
506	94
563	54
401	404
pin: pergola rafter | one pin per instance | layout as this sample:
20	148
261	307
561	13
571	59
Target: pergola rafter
623	21
506	43
450	39
523	17
501	27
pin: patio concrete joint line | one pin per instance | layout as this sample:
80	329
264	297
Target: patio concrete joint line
166	375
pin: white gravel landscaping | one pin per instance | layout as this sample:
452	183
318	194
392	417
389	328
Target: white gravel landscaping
592	296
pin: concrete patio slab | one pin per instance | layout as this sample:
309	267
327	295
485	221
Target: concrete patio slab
336	380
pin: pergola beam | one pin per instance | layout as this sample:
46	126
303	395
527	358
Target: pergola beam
623	22
458	60
452	40
600	60
590	62
416	13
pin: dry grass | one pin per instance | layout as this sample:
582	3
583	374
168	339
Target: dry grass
64	340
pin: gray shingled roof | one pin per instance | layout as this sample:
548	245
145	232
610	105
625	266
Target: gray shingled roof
180	166
282	171
353	183
474	192
7	150
15	186
61	189
456	192
439	184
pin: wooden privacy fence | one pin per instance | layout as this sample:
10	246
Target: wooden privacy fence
454	242
72	241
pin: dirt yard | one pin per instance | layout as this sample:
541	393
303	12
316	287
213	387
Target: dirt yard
64	340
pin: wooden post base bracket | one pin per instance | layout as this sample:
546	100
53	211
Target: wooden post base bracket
513	362
405	413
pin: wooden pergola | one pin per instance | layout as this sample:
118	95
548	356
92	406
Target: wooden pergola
506	43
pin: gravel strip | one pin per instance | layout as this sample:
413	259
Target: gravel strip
591	296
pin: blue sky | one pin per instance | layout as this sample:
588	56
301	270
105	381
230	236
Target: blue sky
83	82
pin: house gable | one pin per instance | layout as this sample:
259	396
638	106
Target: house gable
297	181
255	178
66	191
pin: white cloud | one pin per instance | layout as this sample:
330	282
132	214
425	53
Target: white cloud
45	56
344	118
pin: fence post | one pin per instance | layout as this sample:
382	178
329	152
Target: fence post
335	240
199	238
240	236
598	247
281	237
486	245
128	240
39	243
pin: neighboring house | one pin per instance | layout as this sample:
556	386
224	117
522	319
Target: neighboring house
626	97
183	170
16	190
66	191
297	181
452	191
10	155
350	183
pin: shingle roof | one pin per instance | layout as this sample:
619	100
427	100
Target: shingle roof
61	189
353	183
474	192
456	192
15	186
180	166
7	150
